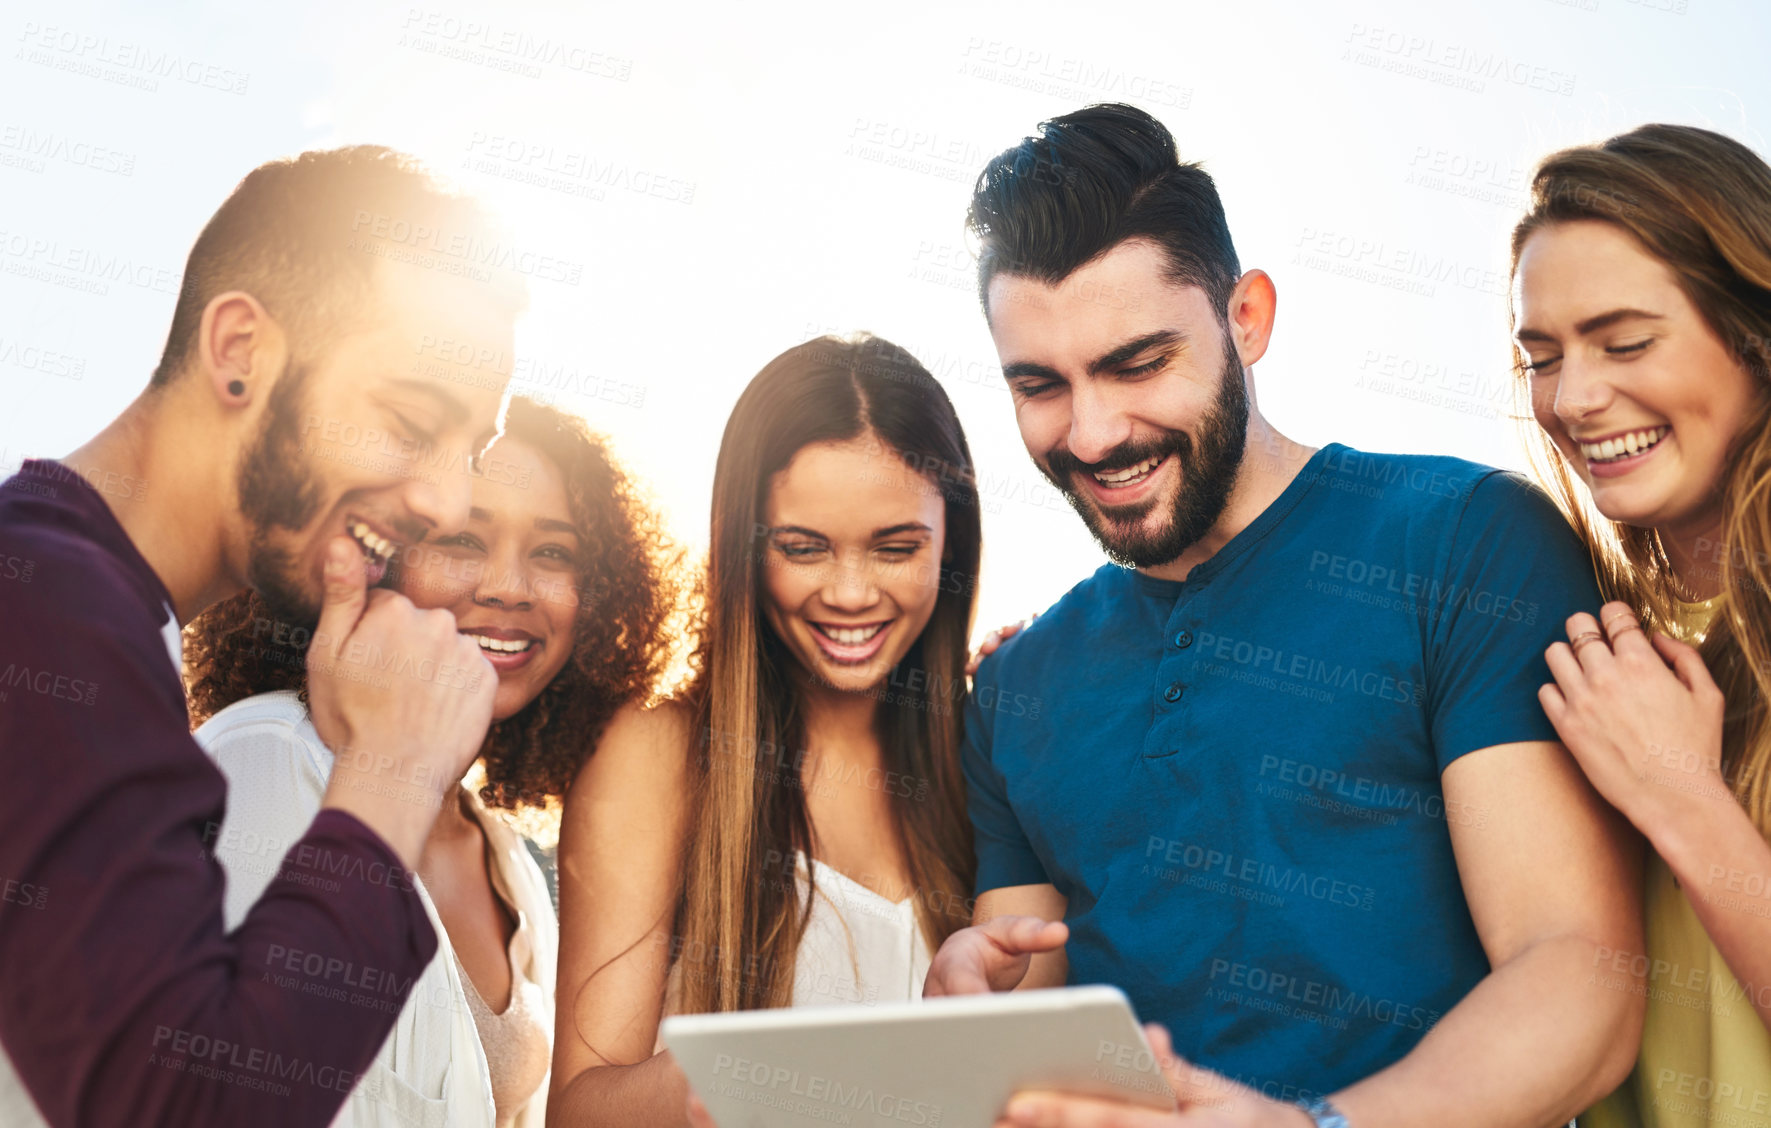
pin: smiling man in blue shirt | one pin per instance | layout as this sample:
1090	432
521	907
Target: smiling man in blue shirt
1288	783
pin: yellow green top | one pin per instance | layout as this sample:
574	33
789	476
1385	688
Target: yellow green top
1706	1057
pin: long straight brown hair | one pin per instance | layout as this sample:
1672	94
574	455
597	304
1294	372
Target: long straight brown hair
741	918
1700	203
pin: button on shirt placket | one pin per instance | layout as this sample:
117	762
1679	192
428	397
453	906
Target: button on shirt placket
1172	685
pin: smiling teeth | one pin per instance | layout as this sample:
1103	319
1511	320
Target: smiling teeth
1623	445
378	546
851	636
503	646
1130	473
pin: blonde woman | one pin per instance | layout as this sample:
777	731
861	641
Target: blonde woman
1642	283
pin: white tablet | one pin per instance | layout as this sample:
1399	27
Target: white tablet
949	1062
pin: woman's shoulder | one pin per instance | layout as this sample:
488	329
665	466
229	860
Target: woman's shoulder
279	708
263	726
661	729
269	753
668	720
644	745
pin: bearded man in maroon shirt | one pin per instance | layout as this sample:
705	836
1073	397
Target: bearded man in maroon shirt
334	367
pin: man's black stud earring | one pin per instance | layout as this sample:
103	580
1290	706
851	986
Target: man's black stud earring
236	387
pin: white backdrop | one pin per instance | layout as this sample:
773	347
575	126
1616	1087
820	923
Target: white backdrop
733	178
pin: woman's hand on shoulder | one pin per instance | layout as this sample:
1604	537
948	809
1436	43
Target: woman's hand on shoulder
1641	715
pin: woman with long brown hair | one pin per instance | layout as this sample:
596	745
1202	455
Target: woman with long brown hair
792	831
1642	290
563	576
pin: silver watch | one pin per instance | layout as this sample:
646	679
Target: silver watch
1322	1111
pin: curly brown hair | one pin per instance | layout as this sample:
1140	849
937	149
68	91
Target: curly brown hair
633	588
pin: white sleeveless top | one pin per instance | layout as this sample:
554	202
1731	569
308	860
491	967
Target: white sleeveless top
858	947
433	1070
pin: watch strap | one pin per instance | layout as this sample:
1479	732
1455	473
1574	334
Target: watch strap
1322	1111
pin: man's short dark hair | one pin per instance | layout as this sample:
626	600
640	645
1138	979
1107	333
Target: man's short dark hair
1086	183
302	236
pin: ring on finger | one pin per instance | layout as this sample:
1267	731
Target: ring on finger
1583	638
1632	625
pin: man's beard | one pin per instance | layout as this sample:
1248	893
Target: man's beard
1207	476
279	490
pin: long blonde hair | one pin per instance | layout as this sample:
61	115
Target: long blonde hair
741	918
1700	203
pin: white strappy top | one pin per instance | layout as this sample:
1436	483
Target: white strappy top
858	947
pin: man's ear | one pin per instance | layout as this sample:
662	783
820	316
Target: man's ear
240	348
1251	310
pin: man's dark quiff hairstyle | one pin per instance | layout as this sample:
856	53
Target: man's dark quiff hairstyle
1089	181
296	234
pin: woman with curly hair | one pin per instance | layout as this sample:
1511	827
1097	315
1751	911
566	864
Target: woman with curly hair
564	578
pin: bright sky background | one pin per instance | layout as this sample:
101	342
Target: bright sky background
735	178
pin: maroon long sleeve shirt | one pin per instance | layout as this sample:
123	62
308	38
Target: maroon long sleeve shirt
123	1000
